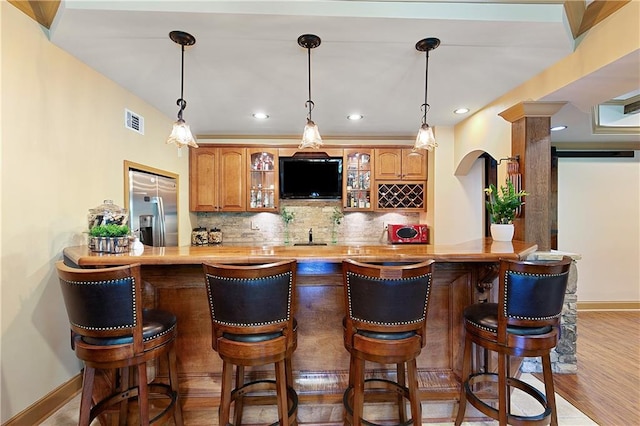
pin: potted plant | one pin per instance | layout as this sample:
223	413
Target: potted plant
110	238
502	207
287	218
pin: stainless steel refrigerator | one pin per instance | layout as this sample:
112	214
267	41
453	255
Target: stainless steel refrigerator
153	208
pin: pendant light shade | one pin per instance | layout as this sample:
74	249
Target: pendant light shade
181	134
310	136
426	139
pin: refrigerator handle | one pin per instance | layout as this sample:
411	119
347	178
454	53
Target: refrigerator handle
160	221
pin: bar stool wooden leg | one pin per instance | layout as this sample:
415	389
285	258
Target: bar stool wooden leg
502	390
173	378
225	394
281	391
143	394
87	390
289	371
238	405
466	371
508	393
414	397
124	382
549	388
358	391
402	412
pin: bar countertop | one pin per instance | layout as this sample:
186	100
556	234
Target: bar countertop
483	250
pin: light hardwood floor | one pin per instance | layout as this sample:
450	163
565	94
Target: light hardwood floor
607	385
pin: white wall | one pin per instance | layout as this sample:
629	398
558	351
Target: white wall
63	146
599	218
458	200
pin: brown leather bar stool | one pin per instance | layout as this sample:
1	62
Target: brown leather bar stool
111	331
252	309
524	323
385	322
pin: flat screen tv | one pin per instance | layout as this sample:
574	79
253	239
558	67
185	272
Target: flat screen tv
310	178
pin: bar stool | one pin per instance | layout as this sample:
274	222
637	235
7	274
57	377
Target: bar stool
252	321
111	331
524	323
385	322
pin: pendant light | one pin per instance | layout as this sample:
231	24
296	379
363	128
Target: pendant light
310	136
181	133
425	139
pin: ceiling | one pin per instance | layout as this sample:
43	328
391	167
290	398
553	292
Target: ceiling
246	59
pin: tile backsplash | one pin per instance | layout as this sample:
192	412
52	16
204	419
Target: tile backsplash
268	228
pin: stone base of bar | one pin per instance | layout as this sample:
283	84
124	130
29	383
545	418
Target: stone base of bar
563	357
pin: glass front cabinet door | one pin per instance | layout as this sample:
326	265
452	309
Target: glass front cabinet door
357	180
262	184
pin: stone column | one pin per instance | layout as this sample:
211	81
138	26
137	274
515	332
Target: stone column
531	142
563	356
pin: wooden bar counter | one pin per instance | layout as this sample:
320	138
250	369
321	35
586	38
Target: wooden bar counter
174	281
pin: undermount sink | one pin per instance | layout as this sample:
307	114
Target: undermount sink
309	244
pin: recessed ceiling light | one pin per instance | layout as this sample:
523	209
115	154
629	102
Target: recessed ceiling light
461	111
355	117
556	128
260	116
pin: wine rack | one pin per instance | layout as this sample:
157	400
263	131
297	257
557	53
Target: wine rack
401	196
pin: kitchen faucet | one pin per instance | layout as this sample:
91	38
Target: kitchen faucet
310	235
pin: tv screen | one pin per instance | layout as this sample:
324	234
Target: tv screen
310	178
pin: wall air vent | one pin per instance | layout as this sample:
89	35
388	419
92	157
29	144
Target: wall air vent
133	121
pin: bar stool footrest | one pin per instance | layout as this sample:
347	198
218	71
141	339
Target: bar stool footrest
512	419
369	384
156	390
269	385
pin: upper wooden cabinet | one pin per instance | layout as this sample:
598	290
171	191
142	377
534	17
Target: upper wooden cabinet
217	179
234	178
262	185
400	164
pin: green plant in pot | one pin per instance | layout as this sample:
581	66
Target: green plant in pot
109	238
502	206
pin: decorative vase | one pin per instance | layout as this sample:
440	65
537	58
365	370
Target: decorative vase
286	233
109	244
334	234
502	232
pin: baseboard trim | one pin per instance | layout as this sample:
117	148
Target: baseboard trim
609	306
47	405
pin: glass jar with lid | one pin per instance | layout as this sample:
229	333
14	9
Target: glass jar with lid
107	213
199	236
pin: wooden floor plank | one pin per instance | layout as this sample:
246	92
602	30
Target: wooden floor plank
607	385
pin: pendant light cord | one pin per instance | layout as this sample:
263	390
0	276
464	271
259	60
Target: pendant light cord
425	106
309	104
181	102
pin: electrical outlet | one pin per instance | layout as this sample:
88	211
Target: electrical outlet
255	226
385	226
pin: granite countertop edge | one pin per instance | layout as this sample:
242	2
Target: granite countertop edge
483	250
